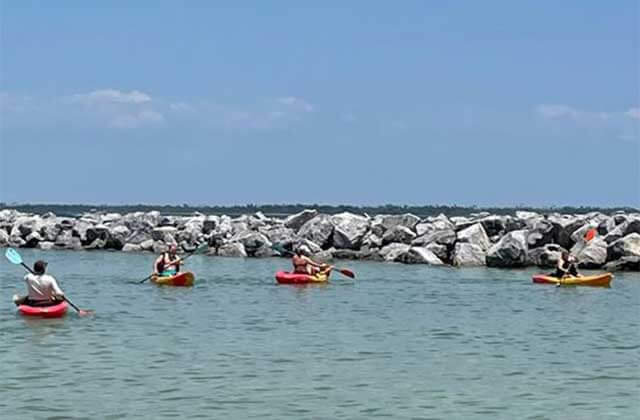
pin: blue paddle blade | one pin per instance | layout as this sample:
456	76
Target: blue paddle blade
13	256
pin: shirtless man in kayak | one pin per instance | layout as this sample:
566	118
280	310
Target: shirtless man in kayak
167	264
302	264
43	289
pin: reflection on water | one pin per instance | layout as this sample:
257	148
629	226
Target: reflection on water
399	342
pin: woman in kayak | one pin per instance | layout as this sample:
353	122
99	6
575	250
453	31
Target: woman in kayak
43	289
167	264
302	264
566	266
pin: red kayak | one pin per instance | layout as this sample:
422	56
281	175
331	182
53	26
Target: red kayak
53	311
283	277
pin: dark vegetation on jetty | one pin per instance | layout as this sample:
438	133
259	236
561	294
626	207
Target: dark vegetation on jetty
519	238
71	210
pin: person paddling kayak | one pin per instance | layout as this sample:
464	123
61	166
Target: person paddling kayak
566	266
167	264
43	289
302	264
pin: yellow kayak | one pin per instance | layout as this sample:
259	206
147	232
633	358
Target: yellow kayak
181	279
602	280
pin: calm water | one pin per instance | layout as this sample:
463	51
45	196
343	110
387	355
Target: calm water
404	342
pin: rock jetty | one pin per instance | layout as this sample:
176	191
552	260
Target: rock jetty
481	239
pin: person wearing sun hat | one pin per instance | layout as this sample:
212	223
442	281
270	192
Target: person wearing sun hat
43	289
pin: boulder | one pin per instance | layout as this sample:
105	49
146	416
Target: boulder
138	237
474	234
420	255
398	234
628	246
80	230
4	238
542	232
147	245
279	234
319	230
493	225
117	237
296	221
393	251
466	254
164	234
252	242
511	251
45	245
131	248
232	249
32	239
445	237
349	230
441	251
407	220
97	232
593	255
210	223
546	256
624	264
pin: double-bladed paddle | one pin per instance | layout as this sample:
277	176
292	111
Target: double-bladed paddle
195	251
283	250
15	258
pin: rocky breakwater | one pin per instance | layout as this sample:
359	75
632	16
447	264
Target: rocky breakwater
520	240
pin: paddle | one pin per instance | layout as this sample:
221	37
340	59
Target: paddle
199	248
283	250
15	258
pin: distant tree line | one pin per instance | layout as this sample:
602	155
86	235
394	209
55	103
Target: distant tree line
68	210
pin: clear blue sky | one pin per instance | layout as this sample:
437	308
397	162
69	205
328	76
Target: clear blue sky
360	102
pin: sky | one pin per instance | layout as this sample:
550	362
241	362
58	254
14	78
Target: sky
493	103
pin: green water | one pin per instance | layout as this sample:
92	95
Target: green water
402	342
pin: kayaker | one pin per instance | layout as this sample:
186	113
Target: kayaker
43	289
167	264
302	264
566	266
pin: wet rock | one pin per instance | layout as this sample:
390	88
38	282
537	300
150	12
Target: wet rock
233	249
420	255
319	230
45	245
398	234
475	234
393	251
594	255
624	264
511	251
349	230
629	246
466	254
131	248
546	256
296	221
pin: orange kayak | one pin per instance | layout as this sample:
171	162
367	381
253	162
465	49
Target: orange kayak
602	280
181	279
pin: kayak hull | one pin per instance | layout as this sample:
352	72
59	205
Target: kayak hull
283	277
53	311
600	280
185	279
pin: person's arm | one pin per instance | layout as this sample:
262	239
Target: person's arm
155	264
56	289
313	263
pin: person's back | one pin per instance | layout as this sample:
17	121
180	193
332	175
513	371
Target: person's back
42	288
